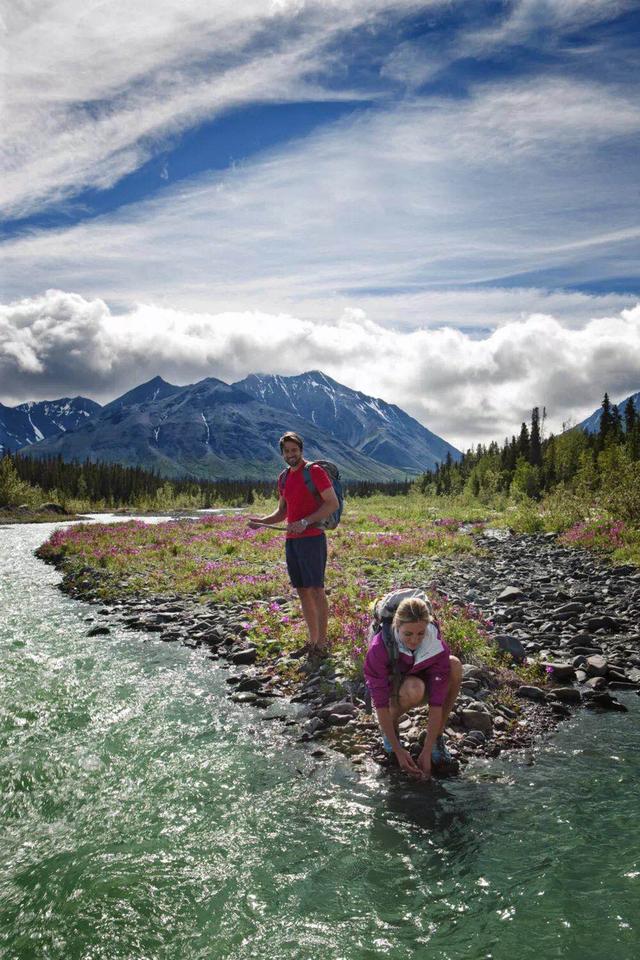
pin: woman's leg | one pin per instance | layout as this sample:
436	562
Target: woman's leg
410	694
455	680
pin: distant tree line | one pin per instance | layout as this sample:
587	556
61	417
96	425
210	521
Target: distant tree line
532	466
116	485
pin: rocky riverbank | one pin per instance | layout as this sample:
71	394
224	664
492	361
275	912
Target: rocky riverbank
549	605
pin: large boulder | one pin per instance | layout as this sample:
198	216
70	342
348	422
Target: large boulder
512	646
532	693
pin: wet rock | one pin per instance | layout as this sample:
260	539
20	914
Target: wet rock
244	697
474	738
596	666
247	655
99	631
477	720
604	701
312	725
339	719
566	695
596	683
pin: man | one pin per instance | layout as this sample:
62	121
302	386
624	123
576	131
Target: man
306	544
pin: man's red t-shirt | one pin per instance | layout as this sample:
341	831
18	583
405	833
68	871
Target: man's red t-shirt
300	501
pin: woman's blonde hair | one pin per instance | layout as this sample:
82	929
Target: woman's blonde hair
412	610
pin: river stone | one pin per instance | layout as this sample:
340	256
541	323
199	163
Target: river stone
604	701
245	697
596	666
312	725
532	693
567	694
98	631
604	622
510	594
474	738
249	683
560	671
471	671
477	720
569	608
596	683
512	646
339	719
245	656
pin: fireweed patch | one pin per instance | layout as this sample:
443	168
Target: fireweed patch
217	558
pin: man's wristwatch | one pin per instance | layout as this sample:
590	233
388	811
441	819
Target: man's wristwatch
304	522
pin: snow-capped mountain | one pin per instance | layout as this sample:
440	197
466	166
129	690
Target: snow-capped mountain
31	422
592	423
207	429
378	429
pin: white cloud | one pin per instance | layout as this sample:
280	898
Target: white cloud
387	211
92	88
467	389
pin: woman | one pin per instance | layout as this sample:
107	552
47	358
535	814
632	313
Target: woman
427	670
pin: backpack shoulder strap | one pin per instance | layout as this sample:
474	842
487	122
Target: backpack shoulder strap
308	480
282	479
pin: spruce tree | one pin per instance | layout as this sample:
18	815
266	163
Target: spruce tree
629	416
523	442
606	420
535	445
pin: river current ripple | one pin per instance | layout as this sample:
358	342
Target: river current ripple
143	815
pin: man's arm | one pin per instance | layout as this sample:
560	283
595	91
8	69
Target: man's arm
327	507
275	517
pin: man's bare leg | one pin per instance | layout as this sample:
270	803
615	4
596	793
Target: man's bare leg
310	614
322	615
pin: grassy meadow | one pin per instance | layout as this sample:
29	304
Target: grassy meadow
383	542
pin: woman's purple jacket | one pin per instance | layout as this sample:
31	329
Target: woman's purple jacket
429	662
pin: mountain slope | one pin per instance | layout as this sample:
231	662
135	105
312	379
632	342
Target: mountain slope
377	429
592	422
31	422
208	429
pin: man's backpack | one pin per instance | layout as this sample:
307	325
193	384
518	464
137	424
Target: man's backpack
332	521
383	612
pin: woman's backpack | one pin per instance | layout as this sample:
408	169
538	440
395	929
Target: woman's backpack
383	613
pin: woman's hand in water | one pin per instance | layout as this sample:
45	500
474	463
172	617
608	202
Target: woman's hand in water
424	764
408	764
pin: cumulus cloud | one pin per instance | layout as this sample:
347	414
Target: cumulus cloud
468	389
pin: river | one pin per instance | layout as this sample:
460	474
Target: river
143	816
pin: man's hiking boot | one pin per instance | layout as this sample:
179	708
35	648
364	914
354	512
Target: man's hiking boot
441	759
316	658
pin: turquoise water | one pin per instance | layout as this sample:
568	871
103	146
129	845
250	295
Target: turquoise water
143	815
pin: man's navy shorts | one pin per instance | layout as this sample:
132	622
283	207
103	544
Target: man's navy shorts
306	560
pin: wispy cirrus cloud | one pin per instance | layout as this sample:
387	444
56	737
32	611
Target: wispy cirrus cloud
503	189
61	343
92	90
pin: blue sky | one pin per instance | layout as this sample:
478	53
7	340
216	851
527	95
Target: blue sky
292	185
